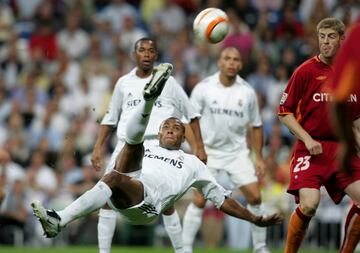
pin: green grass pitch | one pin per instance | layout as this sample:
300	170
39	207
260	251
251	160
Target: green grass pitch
132	250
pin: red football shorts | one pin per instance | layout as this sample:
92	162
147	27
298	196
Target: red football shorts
307	171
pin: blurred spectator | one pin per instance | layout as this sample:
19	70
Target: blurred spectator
149	7
244	10
25	9
41	178
262	79
129	34
17	138
83	10
11	68
51	125
31	85
309	7
6	22
10	171
289	28
5	107
115	12
266	41
67	71
72	39
170	12
107	38
348	11
265	5
239	37
44	41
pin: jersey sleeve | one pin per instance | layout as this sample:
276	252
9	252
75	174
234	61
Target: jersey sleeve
196	98
207	185
292	93
114	111
183	102
254	111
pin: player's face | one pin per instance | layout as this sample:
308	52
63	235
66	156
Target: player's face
145	55
230	63
329	42
171	134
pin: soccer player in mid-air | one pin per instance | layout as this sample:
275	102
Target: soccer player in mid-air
126	97
304	109
144	183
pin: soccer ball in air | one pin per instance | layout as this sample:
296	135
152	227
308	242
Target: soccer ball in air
211	25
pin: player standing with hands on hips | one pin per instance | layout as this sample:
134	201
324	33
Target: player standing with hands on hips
127	96
304	109
228	106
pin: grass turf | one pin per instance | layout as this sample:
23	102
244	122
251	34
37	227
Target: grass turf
94	249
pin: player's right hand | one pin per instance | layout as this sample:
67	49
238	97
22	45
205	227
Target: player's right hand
264	221
314	147
96	159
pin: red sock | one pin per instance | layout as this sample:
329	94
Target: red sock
352	231
297	227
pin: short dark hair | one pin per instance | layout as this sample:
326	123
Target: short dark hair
145	39
174	118
332	23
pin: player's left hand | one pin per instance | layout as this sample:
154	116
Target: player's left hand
201	154
260	167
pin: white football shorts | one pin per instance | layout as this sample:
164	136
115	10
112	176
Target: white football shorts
239	168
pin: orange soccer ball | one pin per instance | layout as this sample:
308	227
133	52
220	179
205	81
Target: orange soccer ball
211	25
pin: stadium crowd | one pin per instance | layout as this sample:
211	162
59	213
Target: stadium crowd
59	60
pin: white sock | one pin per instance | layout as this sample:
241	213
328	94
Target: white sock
173	228
90	201
106	228
258	233
138	122
191	225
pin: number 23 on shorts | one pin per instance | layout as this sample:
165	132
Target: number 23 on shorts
302	163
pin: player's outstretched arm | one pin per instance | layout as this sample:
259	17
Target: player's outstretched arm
235	209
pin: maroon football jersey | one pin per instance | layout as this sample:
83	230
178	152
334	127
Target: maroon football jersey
304	97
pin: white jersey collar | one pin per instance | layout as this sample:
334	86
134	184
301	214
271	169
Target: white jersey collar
238	81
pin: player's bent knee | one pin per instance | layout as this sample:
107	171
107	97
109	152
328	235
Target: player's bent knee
308	209
113	179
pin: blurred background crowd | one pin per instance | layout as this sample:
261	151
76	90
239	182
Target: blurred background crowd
59	60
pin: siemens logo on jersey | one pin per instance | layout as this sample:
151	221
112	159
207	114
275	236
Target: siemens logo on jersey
224	111
176	163
327	97
135	102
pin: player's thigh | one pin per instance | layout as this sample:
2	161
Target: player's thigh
241	170
130	158
353	190
126	191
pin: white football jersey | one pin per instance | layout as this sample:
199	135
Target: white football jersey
226	112
166	176
128	93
